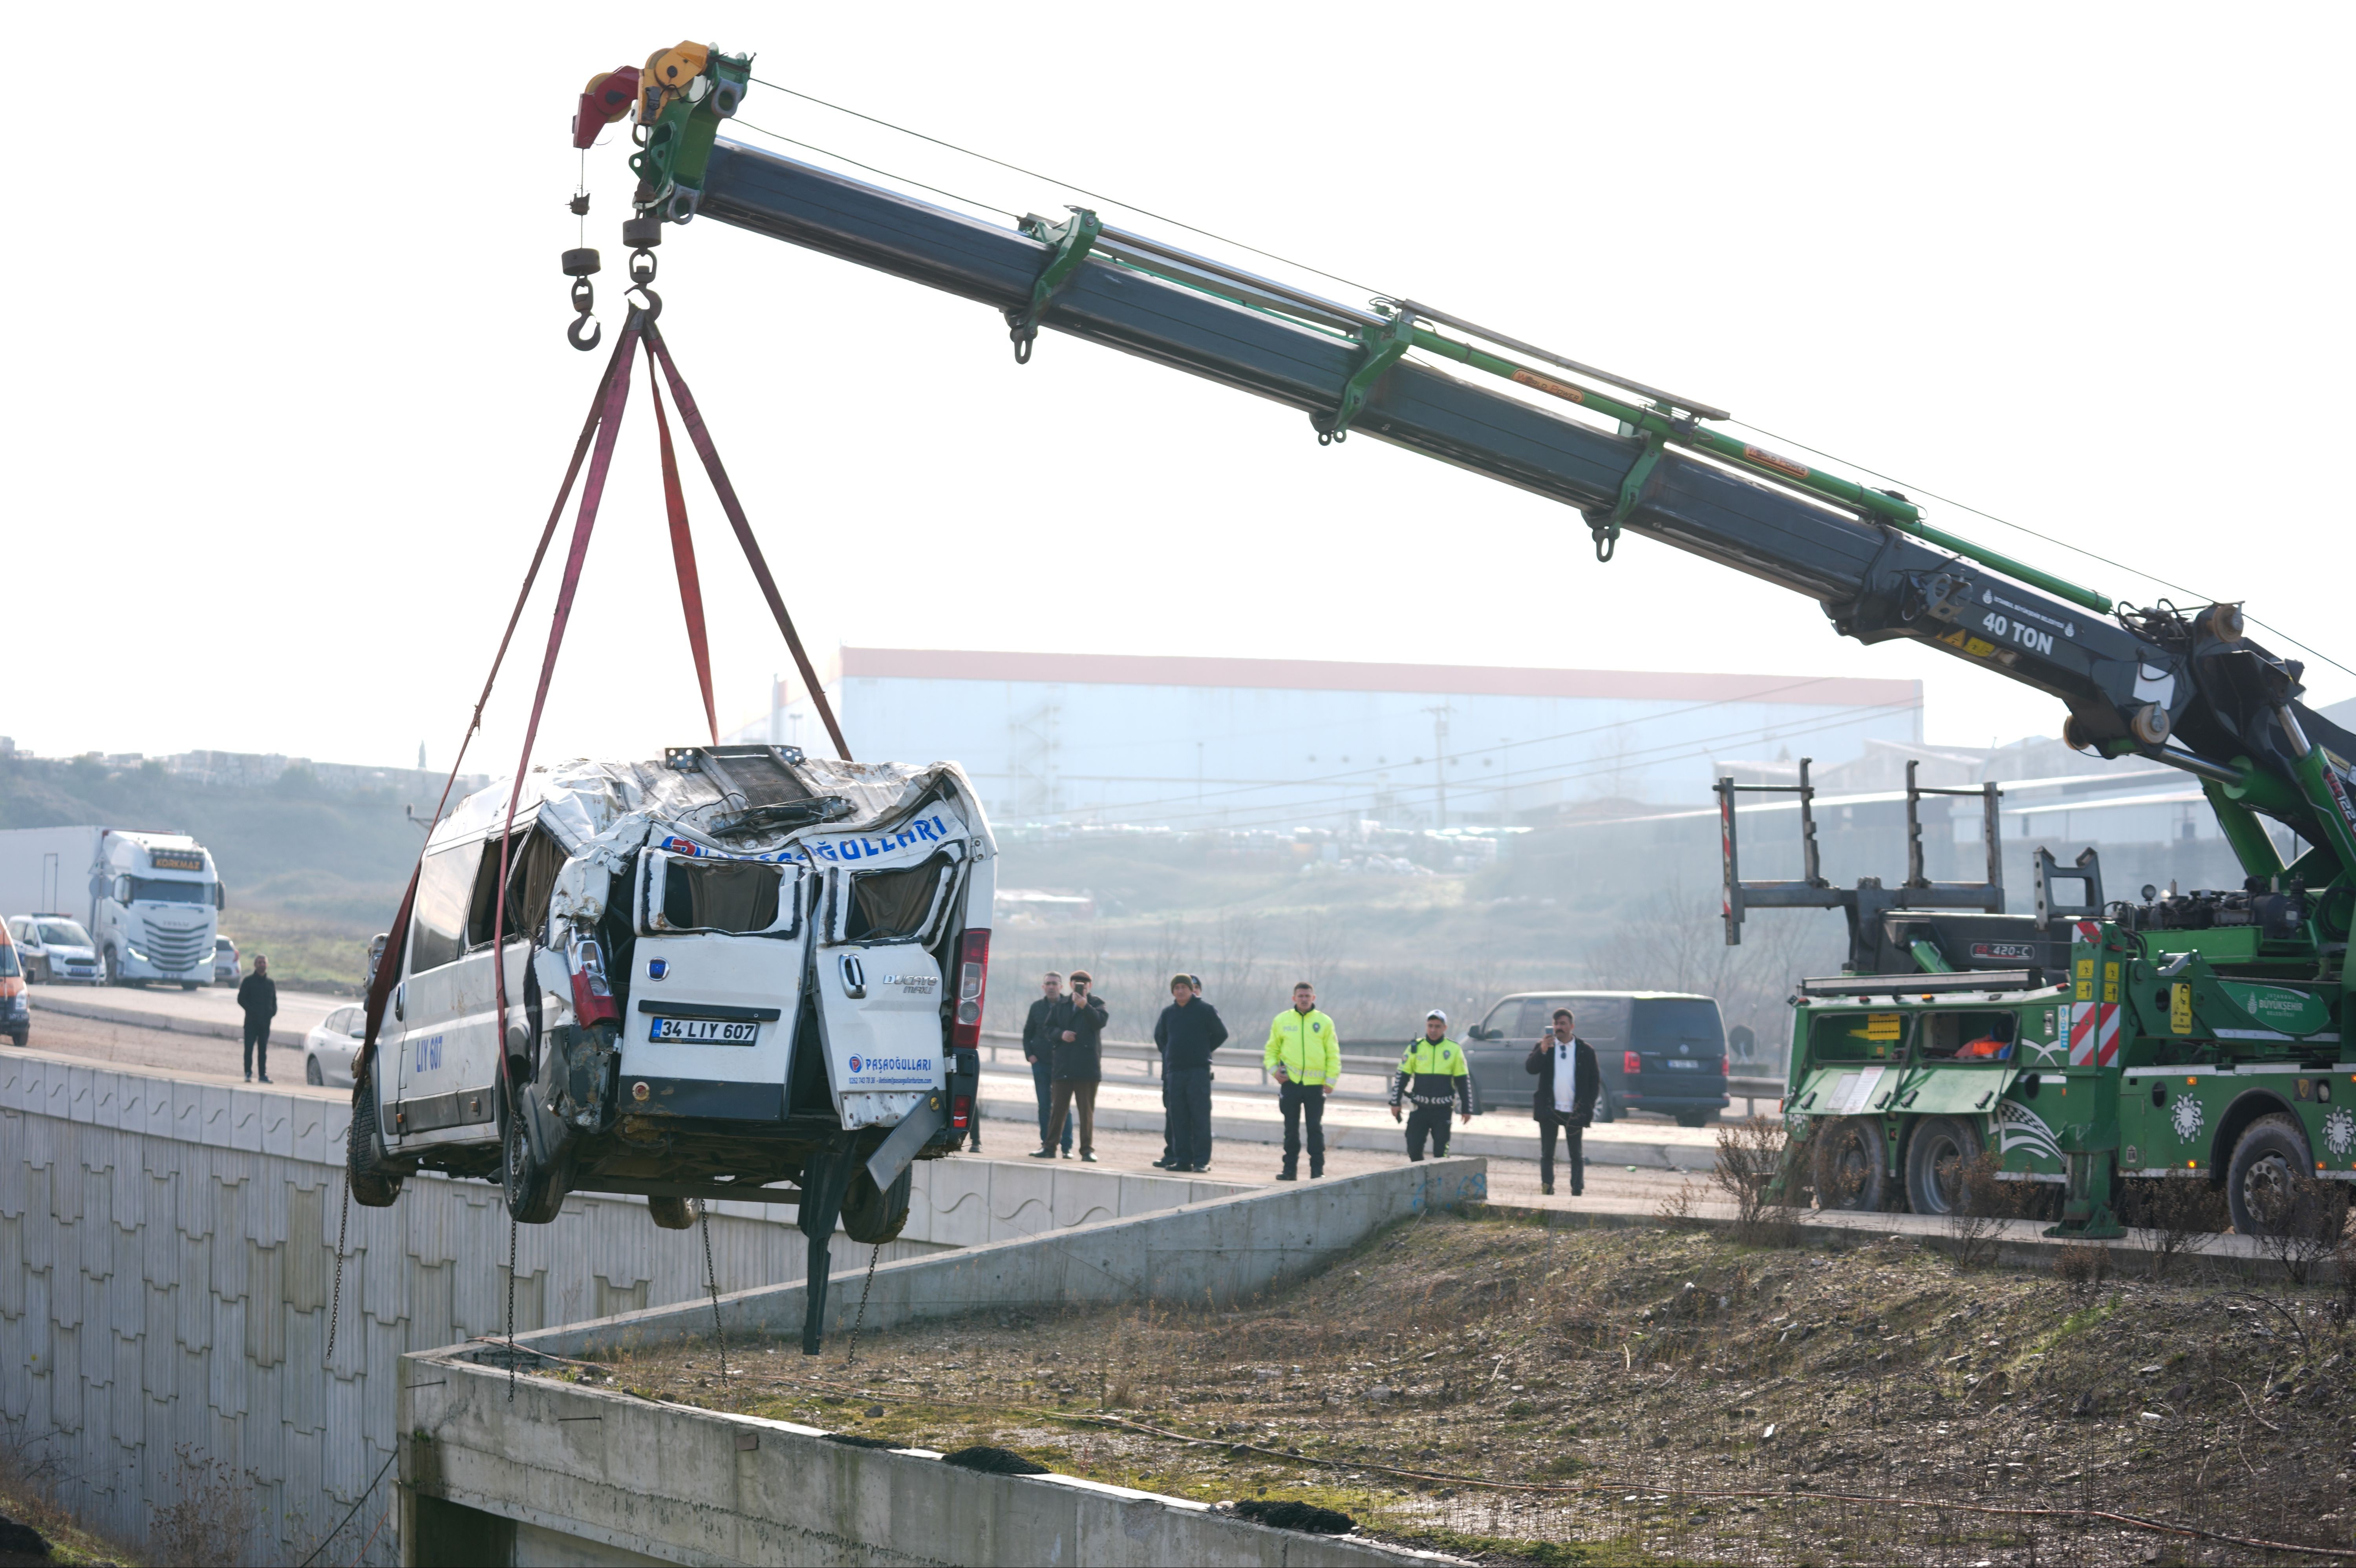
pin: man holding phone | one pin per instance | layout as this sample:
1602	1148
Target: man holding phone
1569	1080
1076	1031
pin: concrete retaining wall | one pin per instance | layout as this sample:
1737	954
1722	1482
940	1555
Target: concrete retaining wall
167	1260
568	1475
1222	1249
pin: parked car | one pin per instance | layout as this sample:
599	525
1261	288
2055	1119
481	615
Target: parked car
54	948
329	1049
1661	1051
224	962
15	1017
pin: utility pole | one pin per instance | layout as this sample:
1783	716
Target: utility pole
1440	762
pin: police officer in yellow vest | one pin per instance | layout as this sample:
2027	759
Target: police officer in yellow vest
1307	1060
1432	1076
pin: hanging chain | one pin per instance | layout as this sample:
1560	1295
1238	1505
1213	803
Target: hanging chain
711	1283
873	1254
511	1345
336	1306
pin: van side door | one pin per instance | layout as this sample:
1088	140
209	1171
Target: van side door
881	906
432	1081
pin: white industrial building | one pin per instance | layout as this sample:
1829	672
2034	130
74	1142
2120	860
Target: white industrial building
1235	743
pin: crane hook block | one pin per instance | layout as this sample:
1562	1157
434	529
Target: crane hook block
609	96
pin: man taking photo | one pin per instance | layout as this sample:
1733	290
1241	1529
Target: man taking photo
1307	1060
1568	1080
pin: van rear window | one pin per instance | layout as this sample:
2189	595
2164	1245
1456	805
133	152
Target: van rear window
720	895
1663	1023
892	906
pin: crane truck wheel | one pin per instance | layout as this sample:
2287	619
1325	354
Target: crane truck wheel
1850	1170
671	1213
374	1183
1936	1157
2259	1191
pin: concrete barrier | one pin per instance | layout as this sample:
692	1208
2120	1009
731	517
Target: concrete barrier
569	1475
167	1264
1223	1248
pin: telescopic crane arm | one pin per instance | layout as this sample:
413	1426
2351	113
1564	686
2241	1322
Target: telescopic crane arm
2189	689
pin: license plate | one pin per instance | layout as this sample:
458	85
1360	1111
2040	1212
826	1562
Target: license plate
1681	1063
702	1032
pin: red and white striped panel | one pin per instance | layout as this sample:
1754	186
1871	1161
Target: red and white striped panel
2089	931
2093	1033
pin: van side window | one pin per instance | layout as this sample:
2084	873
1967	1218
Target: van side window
532	864
439	917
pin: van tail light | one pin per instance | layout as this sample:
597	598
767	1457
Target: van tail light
973	986
592	994
1631	1064
961	1111
1725	1067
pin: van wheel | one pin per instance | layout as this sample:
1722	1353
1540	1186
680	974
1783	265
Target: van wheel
1936	1159
374	1183
871	1216
535	1189
1693	1118
671	1213
1607	1109
1849	1172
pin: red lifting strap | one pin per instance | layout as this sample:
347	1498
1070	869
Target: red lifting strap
693	420
593	492
397	940
682	555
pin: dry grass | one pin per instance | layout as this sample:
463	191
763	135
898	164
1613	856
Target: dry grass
31	1476
1493	1388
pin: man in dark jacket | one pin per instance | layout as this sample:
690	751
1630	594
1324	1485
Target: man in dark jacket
1076	1033
257	994
1188	1032
1039	1050
1568	1080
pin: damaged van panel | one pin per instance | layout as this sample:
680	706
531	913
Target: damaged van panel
734	972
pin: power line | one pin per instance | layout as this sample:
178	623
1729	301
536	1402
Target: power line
2032	533
1034	173
870	168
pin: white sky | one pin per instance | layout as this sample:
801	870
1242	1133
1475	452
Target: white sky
291	396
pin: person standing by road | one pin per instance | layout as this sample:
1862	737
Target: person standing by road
1076	1031
1188	1032
1039	1050
1307	1060
1569	1080
1432	1077
257	996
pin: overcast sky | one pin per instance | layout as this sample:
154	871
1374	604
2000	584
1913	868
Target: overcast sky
291	395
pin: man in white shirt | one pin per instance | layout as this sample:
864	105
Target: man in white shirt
1564	1101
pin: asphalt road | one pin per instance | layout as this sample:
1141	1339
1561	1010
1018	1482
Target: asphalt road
211	1060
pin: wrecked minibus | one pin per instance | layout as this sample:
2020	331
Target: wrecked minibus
739	972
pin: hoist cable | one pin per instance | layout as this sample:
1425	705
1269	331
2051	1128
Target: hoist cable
870	168
1091	195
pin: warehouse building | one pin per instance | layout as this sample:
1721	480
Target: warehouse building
1188	742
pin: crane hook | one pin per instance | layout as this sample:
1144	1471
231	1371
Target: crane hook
578	265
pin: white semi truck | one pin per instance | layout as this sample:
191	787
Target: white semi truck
148	897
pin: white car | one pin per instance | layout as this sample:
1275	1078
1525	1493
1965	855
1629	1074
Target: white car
54	948
329	1049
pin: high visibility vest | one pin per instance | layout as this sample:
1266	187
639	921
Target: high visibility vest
1443	1057
1304	1046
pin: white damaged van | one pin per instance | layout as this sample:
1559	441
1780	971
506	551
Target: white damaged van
737	973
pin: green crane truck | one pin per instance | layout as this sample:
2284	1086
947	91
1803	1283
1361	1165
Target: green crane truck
2196	1037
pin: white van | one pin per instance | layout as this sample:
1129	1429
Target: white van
735	973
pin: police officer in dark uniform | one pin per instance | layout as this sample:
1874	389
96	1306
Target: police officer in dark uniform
1432	1076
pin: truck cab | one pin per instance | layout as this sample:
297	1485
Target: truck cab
737	972
153	898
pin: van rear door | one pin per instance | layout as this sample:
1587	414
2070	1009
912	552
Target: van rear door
715	985
883	906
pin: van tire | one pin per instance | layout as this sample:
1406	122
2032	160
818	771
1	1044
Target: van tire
1695	1119
535	1188
367	1168
1850	1172
671	1213
1936	1158
871	1217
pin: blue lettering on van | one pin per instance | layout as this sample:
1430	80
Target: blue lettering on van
923	830
850	849
429	1054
